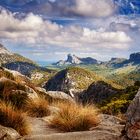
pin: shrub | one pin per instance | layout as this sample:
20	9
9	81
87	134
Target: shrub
10	117
18	99
38	107
116	107
73	117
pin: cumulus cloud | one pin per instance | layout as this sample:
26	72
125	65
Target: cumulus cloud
71	8
94	8
35	32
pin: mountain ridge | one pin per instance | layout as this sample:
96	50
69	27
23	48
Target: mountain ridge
134	59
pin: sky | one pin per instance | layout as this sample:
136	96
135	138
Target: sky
48	30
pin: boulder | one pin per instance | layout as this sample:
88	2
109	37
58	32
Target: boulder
132	127
8	133
59	95
31	92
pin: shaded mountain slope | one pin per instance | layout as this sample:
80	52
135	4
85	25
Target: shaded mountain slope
74	79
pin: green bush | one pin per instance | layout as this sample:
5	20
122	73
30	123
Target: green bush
116	107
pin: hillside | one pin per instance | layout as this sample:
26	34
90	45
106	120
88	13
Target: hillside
24	65
74	79
7	57
122	71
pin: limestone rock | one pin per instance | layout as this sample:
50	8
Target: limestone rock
59	95
8	133
132	128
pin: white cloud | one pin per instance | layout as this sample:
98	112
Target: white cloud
72	8
94	8
34	31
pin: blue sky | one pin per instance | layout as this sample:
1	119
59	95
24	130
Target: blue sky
47	30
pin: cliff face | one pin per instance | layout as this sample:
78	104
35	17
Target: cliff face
135	57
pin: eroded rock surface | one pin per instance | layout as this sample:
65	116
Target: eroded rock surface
8	133
132	128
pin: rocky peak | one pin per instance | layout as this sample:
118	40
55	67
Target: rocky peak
135	57
73	59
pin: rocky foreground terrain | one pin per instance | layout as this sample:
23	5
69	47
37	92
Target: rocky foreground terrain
18	89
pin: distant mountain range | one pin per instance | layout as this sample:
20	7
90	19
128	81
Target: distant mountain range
73	59
114	62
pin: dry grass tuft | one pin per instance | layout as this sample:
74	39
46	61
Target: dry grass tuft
10	117
73	117
38	107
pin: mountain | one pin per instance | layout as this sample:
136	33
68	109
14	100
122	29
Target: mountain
98	92
74	60
134	60
7	57
75	80
115	62
19	63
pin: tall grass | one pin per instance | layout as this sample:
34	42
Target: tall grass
38	107
13	92
10	117
73	117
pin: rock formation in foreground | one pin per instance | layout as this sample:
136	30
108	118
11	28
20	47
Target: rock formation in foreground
132	127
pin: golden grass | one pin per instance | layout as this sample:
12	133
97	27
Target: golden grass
10	117
73	117
38	107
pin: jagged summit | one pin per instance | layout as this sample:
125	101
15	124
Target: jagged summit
75	60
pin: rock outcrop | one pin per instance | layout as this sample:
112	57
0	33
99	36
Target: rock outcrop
8	133
97	93
58	95
132	128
